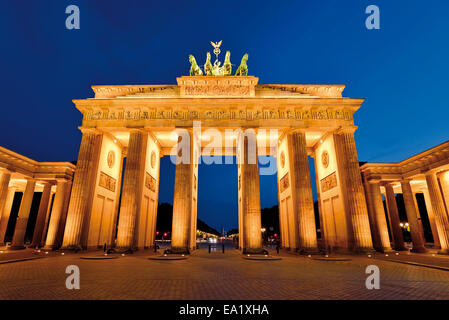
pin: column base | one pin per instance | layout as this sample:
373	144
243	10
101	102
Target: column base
124	250
177	251
419	250
17	247
386	250
254	251
400	249
363	251
52	248
443	251
307	251
74	248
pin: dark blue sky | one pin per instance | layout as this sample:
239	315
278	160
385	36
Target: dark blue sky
402	70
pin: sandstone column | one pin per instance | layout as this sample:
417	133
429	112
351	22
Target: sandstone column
196	151
431	215
418	215
5	177
379	216
302	192
441	218
182	201
82	190
353	190
372	216
444	184
47	217
22	219
56	215
41	215
393	215
6	214
251	213
412	217
133	181
65	207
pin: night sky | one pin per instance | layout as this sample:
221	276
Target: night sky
402	70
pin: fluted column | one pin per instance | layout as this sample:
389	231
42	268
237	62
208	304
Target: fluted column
56	215
412	217
353	191
372	216
65	207
47	218
22	219
431	215
82	190
444	184
251	213
418	215
182	202
379	216
41	215
132	189
441	218
5	177
6	213
302	192
393	215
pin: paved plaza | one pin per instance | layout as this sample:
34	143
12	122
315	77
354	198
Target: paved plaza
216	275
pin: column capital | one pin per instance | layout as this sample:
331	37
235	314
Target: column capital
430	172
62	180
440	173
348	129
388	184
137	129
89	130
297	130
7	170
46	182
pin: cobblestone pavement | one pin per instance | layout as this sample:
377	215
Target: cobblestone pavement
432	258
218	276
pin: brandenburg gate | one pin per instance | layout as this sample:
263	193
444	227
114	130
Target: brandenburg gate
138	121
205	117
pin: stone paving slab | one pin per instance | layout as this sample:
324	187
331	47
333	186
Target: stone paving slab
431	259
219	277
6	255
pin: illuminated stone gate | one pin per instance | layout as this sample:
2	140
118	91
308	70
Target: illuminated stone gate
136	122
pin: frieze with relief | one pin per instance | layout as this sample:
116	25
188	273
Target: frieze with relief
329	183
150	182
107	182
284	183
220	114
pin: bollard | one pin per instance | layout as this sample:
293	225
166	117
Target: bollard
222	247
209	248
277	249
155	248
